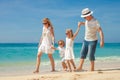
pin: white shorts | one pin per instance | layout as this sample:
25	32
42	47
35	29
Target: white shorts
63	59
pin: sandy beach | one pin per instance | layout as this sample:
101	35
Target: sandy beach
106	74
106	71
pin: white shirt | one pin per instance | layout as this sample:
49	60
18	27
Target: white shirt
91	28
61	51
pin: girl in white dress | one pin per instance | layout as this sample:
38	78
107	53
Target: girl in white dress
46	41
69	54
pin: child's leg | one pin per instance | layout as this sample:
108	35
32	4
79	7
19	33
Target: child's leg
64	66
92	66
83	53
81	64
91	52
73	64
68	62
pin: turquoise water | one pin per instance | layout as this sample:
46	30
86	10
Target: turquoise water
19	54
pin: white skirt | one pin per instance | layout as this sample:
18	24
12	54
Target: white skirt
69	54
45	49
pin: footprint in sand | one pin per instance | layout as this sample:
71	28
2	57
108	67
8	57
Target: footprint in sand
100	71
34	79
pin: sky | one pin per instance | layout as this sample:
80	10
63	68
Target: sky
21	20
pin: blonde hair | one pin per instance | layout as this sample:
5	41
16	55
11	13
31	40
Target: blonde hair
70	32
47	20
61	42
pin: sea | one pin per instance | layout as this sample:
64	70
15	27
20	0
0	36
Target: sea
21	57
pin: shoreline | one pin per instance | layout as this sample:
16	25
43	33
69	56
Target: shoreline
103	71
28	70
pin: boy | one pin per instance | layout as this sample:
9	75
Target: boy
92	26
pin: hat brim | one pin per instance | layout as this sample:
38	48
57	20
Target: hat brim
87	14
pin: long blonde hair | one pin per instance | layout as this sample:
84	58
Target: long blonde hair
47	20
70	32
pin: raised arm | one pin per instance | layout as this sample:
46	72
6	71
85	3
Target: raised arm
101	37
78	29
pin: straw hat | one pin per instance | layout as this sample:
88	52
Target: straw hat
86	12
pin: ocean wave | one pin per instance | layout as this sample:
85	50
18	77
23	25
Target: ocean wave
98	59
109	58
103	59
58	61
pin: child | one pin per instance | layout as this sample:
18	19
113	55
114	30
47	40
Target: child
92	26
61	49
69	54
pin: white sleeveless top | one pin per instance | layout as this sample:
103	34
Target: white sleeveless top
46	43
46	36
69	54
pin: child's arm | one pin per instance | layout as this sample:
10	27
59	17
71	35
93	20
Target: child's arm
52	47
78	29
101	37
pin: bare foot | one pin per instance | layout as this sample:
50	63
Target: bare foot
77	70
53	70
36	71
64	69
74	69
70	70
80	70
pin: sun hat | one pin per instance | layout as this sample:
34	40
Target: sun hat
86	12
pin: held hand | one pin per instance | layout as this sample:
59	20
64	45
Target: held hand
80	23
102	43
52	47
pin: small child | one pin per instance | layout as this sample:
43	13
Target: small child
69	54
61	49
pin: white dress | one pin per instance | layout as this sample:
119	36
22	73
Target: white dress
46	43
69	54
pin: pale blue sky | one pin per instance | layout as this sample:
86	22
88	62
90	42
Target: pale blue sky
20	20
